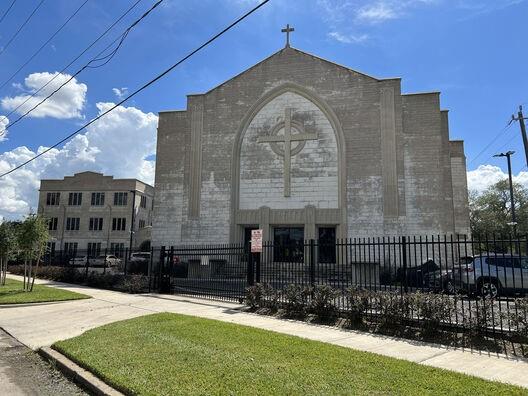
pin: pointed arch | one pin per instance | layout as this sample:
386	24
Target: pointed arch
246	121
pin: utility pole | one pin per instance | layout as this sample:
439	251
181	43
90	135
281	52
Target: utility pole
508	155
520	118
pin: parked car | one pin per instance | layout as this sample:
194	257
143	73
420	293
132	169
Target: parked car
110	260
78	260
139	263
492	274
140	257
427	275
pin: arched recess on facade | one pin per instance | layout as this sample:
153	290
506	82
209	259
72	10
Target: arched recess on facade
248	118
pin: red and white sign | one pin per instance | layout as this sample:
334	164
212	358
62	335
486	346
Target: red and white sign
256	241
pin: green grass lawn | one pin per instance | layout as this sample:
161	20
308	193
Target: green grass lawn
170	354
12	293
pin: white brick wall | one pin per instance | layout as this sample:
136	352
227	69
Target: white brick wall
313	171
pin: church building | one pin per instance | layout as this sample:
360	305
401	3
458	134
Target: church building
304	148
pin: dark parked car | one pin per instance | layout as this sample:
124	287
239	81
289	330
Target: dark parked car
428	275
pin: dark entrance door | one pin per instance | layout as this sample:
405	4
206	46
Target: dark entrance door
288	244
327	244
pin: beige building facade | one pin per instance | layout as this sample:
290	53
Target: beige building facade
93	213
305	148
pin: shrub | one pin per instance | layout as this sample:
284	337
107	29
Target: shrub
518	316
131	283
358	301
255	295
323	303
296	300
433	309
480	317
393	308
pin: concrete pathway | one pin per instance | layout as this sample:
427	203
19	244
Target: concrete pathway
43	324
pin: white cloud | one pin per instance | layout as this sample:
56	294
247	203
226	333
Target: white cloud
120	93
68	102
378	12
117	144
3	124
348	38
487	175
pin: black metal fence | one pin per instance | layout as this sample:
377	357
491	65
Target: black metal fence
484	280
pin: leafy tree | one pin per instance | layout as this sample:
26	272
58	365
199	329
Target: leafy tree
8	246
32	237
490	212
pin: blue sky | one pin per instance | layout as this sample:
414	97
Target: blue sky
473	51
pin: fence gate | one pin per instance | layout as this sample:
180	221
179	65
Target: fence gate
219	271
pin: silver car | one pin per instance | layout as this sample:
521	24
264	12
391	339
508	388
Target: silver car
492	274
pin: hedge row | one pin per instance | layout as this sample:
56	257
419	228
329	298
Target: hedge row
126	283
388	308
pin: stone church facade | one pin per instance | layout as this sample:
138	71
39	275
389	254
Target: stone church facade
300	145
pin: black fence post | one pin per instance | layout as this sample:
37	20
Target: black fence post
257	266
312	261
250	269
160	268
404	263
126	261
150	268
105	260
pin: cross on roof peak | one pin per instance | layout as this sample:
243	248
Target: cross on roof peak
287	30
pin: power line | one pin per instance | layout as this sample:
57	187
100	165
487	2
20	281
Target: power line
490	143
76	58
143	87
96	58
7	11
21	27
44	45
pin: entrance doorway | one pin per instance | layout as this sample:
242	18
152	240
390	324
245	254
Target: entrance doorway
327	244
288	244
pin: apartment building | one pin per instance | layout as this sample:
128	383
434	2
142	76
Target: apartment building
94	213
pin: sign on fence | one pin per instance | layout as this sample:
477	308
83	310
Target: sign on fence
256	241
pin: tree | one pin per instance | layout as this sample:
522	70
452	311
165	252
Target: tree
490	211
32	238
8	246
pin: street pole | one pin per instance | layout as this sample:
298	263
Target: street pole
132	222
512	201
520	118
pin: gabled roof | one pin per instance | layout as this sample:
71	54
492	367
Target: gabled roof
293	51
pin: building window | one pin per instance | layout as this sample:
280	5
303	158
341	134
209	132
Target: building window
117	249
98	199
288	244
53	199
52	223
72	223
75	199
96	224
70	248
141	223
143	202
118	224
120	198
94	249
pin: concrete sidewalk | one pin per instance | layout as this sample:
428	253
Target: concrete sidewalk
43	324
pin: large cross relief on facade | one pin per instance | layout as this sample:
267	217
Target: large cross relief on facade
289	157
287	137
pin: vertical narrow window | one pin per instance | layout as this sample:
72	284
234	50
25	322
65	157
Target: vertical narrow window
75	199
52	199
120	198
98	198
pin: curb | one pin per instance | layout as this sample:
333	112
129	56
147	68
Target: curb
76	373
